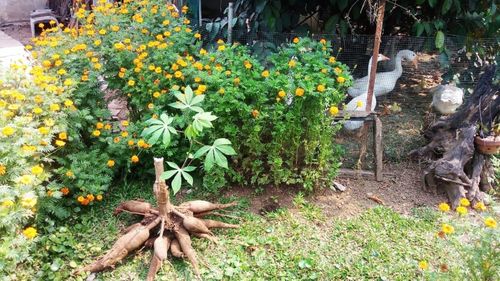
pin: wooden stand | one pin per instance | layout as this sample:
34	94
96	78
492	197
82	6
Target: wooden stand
378	149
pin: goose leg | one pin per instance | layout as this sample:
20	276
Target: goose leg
363	140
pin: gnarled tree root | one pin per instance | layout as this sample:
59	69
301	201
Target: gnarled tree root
452	161
178	224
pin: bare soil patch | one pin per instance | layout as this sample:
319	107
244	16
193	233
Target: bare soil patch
401	190
21	33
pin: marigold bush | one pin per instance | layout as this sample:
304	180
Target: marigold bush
275	113
33	111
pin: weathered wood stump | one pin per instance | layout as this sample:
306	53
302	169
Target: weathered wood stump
451	159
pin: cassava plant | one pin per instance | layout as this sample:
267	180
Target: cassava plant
168	227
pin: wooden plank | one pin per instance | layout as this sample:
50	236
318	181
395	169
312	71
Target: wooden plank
357	174
378	149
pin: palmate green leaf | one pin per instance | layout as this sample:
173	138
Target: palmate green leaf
187	100
203	120
168	174
216	153
187	177
160	127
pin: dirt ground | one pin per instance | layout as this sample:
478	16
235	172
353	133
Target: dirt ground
401	190
22	33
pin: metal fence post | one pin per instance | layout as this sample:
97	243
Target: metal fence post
229	23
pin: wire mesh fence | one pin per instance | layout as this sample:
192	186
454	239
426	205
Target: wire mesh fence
406	110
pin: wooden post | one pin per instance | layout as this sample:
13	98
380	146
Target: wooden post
376	46
378	148
160	190
229	23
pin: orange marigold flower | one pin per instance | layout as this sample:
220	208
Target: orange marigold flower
98	197
299	92
255	113
134	159
65	191
296	40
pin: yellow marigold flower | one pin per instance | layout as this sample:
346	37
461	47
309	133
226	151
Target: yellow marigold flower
444	207
220	41
197	36
134	159
322	41
203	51
60	143
116	140
97	42
130	142
340	79
30	232
236	80
447	229
178	74
292	63
69	174
99	125
38	99
99	197
131	83
54	107
111	163
102	31
68	103
464	202
265	73
423	265
462	210
299	92
221	48
107	127
96	133
68	82
125	123
255	113
7	203
334	111
359	104
321	88
221	91
43	130
332	60
37	170
80	199
61	71
124	134
248	65
141	143
490	222
46	63
115	28
90	197
281	94
480	206
3	169
28	200
8	131
296	40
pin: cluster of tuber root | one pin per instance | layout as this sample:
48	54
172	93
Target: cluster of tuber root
167	229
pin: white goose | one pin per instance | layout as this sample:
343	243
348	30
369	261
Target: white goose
447	98
359	103
385	81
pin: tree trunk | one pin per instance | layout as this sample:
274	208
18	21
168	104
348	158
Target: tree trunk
452	162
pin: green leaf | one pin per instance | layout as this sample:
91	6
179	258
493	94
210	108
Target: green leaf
154	137
168	174
419	29
226	149
439	40
220	159
158	129
209	160
188	178
176	183
446	6
190	132
150	130
432	3
222	141
173	165
200	152
189	168
342	4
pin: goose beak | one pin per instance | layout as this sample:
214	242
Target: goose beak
415	63
384	58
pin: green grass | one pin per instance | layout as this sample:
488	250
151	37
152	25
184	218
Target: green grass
298	244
